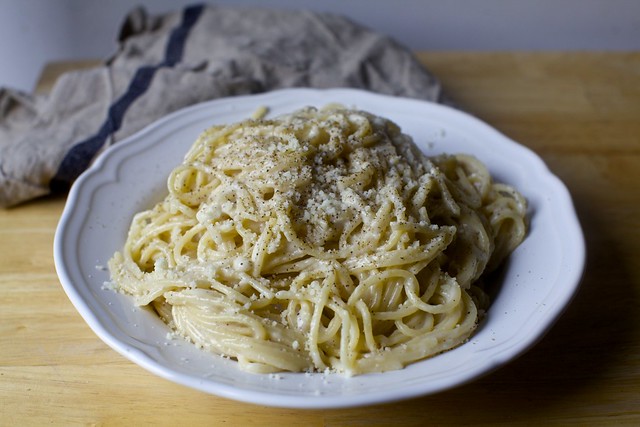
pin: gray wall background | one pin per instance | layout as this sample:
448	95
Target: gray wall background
34	32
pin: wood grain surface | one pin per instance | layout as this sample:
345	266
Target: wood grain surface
579	111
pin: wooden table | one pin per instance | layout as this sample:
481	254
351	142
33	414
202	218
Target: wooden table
579	111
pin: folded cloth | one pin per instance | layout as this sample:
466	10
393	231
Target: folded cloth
169	61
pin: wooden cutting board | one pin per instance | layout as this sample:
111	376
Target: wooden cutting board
579	111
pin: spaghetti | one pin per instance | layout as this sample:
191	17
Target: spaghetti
323	240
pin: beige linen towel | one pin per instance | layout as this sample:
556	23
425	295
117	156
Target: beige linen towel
173	60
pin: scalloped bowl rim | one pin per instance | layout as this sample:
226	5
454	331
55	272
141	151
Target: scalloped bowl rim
539	281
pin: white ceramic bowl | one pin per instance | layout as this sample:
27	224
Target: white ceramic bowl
538	282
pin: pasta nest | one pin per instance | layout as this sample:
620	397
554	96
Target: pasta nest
322	240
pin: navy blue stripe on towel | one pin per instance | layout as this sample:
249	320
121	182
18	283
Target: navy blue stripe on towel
80	155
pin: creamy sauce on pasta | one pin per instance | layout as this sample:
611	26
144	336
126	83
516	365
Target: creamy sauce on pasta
323	240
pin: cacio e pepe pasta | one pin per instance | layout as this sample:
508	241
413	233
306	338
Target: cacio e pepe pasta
321	240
